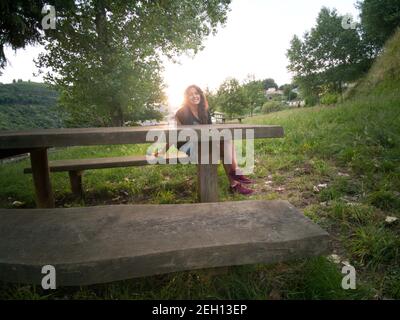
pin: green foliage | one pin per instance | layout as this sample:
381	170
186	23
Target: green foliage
384	76
270	83
271	106
311	100
105	55
288	92
27	93
329	98
254	91
21	22
379	19
359	214
328	56
374	247
320	279
212	100
27	105
19	117
385	200
232	98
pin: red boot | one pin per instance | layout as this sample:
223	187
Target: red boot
238	188
239	177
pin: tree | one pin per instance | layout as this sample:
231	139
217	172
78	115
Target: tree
270	83
20	22
254	92
288	92
231	97
212	100
379	20
328	56
105	56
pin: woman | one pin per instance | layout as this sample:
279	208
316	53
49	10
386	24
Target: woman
195	111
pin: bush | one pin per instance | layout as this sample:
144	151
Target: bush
329	98
257	110
311	100
272	106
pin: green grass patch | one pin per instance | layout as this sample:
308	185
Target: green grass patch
374	246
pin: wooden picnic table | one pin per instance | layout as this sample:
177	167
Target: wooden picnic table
36	142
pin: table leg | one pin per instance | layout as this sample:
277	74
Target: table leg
75	178
207	177
41	178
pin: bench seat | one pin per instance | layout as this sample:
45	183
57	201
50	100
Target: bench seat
99	163
89	245
76	167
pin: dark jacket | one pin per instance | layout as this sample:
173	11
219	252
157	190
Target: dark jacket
186	117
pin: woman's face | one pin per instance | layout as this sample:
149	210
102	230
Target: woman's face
194	96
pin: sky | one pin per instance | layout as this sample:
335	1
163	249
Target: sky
253	41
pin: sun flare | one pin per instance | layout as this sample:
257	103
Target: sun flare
175	98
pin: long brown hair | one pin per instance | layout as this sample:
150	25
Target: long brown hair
203	105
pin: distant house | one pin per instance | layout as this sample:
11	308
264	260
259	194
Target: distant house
270	93
218	117
297	103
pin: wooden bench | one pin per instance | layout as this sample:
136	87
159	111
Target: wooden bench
234	118
76	168
221	118
107	243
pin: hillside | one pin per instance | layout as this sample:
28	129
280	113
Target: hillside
384	76
355	149
26	105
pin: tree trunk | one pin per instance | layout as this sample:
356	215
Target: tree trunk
341	90
117	117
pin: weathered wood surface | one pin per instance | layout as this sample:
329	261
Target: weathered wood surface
119	135
102	244
102	163
207	182
207	177
41	178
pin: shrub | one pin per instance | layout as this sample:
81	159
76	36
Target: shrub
311	100
329	98
271	106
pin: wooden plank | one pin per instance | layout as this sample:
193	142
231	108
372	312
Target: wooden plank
41	178
108	243
207	177
101	163
118	135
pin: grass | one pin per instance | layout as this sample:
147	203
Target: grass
316	278
355	149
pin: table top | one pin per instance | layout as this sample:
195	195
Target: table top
42	138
